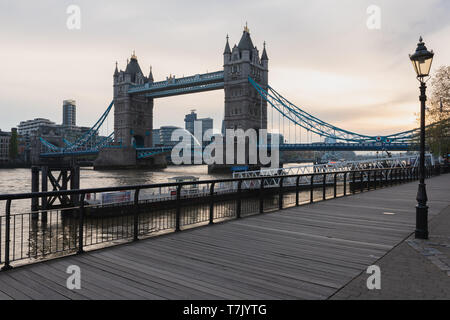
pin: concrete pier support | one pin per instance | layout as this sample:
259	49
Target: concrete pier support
125	158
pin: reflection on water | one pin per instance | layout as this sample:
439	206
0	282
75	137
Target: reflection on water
19	180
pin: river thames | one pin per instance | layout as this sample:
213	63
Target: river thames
19	180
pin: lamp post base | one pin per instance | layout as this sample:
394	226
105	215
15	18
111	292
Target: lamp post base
421	222
422	212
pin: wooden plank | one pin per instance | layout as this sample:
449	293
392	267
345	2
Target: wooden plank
29	275
47	292
4	296
238	279
89	290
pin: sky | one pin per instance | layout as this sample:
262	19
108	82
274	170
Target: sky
323	57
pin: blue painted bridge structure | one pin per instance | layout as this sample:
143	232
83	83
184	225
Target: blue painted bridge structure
346	140
248	100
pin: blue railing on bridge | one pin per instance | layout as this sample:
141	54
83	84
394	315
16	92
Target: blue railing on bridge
152	151
348	147
142	153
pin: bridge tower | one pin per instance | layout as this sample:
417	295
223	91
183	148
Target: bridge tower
133	114
133	121
244	107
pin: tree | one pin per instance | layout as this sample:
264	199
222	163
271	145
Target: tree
438	111
13	145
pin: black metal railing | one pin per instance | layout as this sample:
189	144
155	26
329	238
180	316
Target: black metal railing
149	210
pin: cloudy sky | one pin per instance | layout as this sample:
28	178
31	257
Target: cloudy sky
323	57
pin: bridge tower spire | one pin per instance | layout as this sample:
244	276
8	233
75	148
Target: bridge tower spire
244	108
133	114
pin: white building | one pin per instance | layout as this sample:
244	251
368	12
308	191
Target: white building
29	127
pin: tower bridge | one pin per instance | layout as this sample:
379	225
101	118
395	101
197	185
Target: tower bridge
247	98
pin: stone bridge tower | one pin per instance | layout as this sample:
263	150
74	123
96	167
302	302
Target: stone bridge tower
244	107
133	114
133	122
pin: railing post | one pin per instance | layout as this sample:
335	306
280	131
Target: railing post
211	203
280	194
392	179
311	189
239	201
375	179
44	185
354	182
334	185
178	212
7	265
136	215
361	181
324	187
34	188
81	225
261	196
368	180
297	202
345	183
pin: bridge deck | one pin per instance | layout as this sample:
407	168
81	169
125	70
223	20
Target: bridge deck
305	252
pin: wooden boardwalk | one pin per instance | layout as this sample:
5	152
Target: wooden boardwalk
308	252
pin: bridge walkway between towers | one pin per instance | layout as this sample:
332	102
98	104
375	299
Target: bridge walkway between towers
305	252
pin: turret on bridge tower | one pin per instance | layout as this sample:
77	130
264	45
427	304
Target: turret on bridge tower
244	107
133	114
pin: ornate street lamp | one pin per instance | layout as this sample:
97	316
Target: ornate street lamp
421	61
